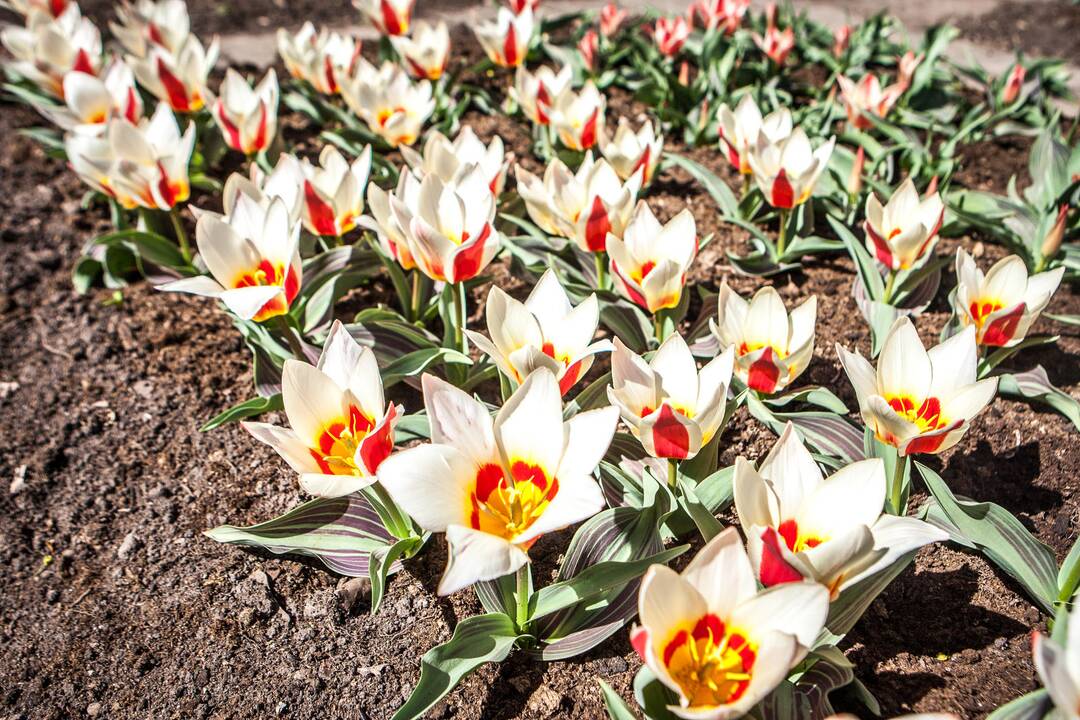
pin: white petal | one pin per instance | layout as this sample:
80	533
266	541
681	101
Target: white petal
432	483
477	556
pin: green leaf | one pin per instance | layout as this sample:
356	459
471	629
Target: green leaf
86	271
1002	538
418	361
617	709
820	396
595	580
707	524
149	246
1065	319
1035	385
248	408
1068	578
381	561
864	264
1033	706
340	532
477	640
716	187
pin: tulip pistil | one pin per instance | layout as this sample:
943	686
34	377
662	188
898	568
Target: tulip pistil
713	664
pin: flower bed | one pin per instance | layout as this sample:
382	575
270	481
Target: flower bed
295	605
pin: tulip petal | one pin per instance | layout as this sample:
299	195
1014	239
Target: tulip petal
286	443
432	483
722	574
476	556
332	486
798	609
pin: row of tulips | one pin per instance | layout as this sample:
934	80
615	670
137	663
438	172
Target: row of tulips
760	607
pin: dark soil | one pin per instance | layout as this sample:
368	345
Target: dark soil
115	605
1038	28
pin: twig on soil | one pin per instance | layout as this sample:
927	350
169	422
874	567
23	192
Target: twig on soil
42	338
80	598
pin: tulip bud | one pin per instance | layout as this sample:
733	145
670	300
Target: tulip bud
684	73
611	17
588	46
841	40
1052	241
906	68
1011	90
932	187
855	180
770	15
670	34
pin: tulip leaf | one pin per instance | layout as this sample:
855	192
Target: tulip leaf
864	264
987	364
248	408
825	432
704	520
820	396
1002	538
1035	385
86	271
617	709
653	695
717	188
382	560
596	579
1064	319
1068	579
1033	706
418	361
477	640
853	601
340	532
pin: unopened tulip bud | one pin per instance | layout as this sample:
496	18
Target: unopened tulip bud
1013	83
841	40
684	73
611	17
932	187
770	15
589	47
1052	242
855	180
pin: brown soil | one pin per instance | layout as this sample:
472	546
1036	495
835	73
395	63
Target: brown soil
115	605
1035	27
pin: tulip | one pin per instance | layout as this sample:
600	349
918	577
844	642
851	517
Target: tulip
1052	241
282	182
726	14
710	636
1004	303
247	117
450	232
904	230
91	158
49	48
855	179
841	41
629	151
334	191
151	160
427	52
325	59
535	92
589	47
384	223
906	66
446	159
90	102
867	98
394	107
776	44
495	487
800	525
54	8
611	18
650	261
670	34
1059	667
545	331
579	117
177	79
668	405
586	207
389	17
341	429
919	401
739	130
149	23
772	348
506	39
520	6
253	256
787	170
1010	91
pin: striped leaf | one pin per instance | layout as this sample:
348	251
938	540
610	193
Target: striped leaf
1033	706
846	610
999	535
825	432
340	532
1035	385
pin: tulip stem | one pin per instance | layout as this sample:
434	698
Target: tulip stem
889	286
290	337
181	235
658	326
896	490
600	262
458	293
781	238
522	597
414	298
672	474
745	185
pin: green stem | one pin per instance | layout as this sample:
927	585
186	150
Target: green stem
522	596
600	262
181	235
658	326
889	286
896	489
290	336
745	185
672	474
459	317
413	312
781	238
